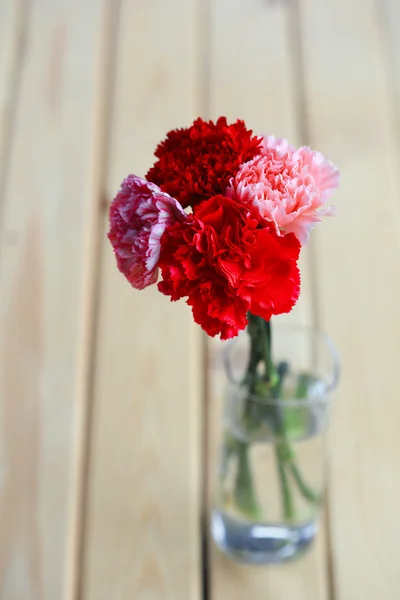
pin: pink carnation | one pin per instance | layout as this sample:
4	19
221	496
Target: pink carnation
139	215
288	186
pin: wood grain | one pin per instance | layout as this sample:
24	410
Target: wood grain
260	86
388	15
14	17
142	533
103	93
40	276
350	98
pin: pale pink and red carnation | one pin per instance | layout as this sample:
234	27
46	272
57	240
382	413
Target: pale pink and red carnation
288	186
139	216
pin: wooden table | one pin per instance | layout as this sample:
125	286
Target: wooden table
106	434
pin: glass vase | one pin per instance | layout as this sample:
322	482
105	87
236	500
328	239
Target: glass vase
271	474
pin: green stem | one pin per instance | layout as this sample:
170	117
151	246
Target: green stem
244	494
245	497
288	457
304	489
284	455
264	380
287	498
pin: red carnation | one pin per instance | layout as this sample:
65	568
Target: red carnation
198	162
226	264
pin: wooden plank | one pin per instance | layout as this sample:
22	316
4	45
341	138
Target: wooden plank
389	21
142	534
260	86
99	136
41	249
350	88
14	16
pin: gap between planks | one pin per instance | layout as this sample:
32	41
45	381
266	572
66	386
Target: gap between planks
295	37
205	487
15	53
97	203
204	92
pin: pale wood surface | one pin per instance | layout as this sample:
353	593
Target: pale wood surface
14	17
41	247
143	535
352	119
103	426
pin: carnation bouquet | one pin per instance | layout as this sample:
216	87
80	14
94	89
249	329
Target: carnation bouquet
220	219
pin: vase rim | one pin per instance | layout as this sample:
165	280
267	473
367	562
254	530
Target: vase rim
323	397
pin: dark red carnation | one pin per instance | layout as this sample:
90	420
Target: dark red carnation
198	162
226	264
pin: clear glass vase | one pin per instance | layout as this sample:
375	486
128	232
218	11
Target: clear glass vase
271	474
